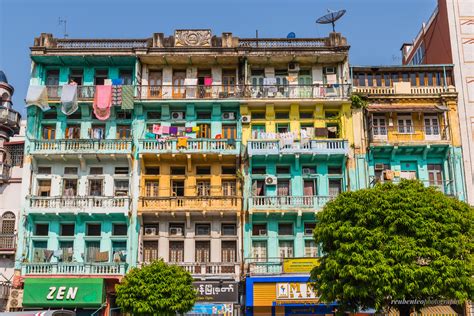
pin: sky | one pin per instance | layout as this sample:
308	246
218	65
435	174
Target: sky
375	29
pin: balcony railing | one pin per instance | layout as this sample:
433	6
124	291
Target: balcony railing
4	172
282	42
78	203
81	146
190	203
264	266
315	147
444	186
7	242
211	268
10	118
237	91
101	43
408	133
74	268
243	91
288	202
170	146
410	90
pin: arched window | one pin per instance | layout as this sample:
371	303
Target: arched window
5	97
8	223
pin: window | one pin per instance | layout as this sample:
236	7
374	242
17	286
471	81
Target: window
229	251
70	170
259	229
258	115
123	114
126	75
228	81
307	170
66	249
176	254
259	250
152	170
282	115
283	169
203	188
306	115
405	125
97	132
150	251
285	229
203	251
421	77
228	170
67	229
121	187
335	187
285	248
100	76
119	229
44	187
310	249
431	125
48	132
259	170
334	170
178	171
228	188
177	187
153	115
41	229
70	187
229	230
309	191
405	77
203	229
378	80
379	125
370	80
93	253
124	132
39	248
308	228
16	153
155	80
121	170
283	187
435	176
76	75
282	128
386	79
96	170
176	229
73	132
413	79
258	188
204	131
8	224
93	229
151	188
203	170
44	170
430	79
52	83
96	187
203	115
229	131
331	114
119	251
395	78
333	130
50	114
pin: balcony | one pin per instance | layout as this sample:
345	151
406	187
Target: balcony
81	146
408	134
193	146
7	243
243	91
84	93
79	204
312	147
264	266
210	269
4	172
10	119
265	203
190	203
74	268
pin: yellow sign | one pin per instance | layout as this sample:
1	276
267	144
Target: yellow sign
299	265
295	291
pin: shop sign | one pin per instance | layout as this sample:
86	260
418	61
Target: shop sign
63	292
295	291
299	265
212	309
213	291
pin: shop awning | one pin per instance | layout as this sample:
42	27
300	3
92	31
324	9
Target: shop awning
407	109
63	292
440	310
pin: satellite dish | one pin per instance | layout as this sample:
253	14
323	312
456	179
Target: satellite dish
331	17
291	35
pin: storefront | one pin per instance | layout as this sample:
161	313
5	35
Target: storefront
216	298
283	295
85	296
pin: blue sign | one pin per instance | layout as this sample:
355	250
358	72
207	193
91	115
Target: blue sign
212	309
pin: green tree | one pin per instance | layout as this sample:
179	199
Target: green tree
394	242
156	289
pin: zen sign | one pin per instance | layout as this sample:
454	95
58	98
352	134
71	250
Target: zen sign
60	293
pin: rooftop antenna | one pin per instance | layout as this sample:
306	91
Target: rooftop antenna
331	18
63	22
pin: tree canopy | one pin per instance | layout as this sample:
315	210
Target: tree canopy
156	289
394	242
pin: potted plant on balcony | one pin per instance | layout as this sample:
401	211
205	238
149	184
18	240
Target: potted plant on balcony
156	289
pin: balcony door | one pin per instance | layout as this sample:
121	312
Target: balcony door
150	251
52	83
309	191
305	82
405	124
432	129
178	85
155	81
259	250
178	188
203	251
435	176
176	251
284	191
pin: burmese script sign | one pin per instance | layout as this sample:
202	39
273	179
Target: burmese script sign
215	291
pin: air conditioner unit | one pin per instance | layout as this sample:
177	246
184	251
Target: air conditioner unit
271	180
228	116
15	300
308	231
176	231
150	231
177	115
262	232
306	171
245	118
293	67
379	166
330	70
